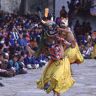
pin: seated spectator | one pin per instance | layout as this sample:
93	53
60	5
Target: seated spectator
30	61
14	34
6	47
14	65
4	71
40	30
82	49
88	37
27	36
34	45
89	50
36	34
22	41
11	41
17	47
42	59
22	69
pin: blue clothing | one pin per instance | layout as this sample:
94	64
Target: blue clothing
42	57
30	60
12	42
27	60
14	35
11	64
22	42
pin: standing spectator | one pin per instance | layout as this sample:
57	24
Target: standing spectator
83	28
88	27
77	30
71	14
63	12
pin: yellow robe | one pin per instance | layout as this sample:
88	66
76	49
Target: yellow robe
58	75
94	52
74	55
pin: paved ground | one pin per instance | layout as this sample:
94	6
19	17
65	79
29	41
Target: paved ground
24	85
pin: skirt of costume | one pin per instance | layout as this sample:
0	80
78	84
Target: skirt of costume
74	55
57	76
93	55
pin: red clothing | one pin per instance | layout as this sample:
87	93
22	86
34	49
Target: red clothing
56	52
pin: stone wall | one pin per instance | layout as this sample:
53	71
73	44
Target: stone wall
29	5
10	5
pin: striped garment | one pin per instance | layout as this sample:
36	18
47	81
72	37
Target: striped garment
56	52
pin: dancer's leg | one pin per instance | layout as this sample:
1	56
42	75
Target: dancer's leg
54	93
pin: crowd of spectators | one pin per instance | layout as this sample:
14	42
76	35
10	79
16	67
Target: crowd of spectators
20	37
84	36
73	7
82	31
79	7
19	40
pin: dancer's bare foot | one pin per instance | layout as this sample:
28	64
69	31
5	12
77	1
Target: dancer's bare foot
55	93
58	94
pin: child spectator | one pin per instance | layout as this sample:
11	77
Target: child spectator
22	69
4	71
89	50
30	61
42	60
13	64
